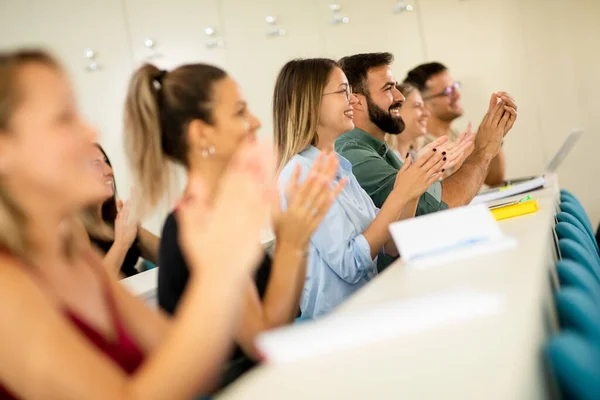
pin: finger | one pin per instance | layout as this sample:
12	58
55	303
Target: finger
507	99
326	202
497	115
436	160
319	164
512	115
510	110
510	123
407	163
439	166
435	177
460	139
292	186
431	150
192	211
331	166
469	130
504	121
493	101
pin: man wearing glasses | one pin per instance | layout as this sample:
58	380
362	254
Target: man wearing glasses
441	94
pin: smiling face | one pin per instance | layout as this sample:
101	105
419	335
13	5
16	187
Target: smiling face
384	100
415	115
336	115
232	123
103	170
442	97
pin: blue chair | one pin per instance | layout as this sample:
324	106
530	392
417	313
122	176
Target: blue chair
578	212
568	231
575	363
573	275
565	194
570	219
571	250
577	311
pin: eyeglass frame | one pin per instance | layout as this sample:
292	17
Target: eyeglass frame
447	91
348	92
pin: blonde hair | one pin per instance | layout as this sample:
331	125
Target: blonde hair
296	104
158	109
13	220
406	89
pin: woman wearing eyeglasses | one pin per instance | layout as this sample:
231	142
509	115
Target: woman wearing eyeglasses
312	107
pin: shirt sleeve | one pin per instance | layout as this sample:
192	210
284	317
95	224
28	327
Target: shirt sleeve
336	243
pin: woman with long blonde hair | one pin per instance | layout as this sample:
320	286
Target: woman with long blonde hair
70	331
312	107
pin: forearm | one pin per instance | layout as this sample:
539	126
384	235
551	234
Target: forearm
378	233
113	260
497	172
460	188
280	302
149	244
213	302
410	209
286	282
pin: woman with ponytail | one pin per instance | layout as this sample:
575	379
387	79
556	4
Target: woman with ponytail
196	116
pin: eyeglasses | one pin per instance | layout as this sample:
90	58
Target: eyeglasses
347	92
448	91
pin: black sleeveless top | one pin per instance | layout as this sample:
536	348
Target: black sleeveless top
173	275
130	260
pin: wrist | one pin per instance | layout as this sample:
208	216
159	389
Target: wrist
296	249
121	244
486	152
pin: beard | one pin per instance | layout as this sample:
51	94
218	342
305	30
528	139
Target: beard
383	119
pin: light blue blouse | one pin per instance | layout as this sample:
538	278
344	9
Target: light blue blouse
339	260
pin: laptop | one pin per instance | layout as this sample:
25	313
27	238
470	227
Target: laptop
527	184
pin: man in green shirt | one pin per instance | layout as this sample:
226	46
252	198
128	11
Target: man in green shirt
377	113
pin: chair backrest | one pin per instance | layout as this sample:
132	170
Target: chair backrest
575	363
571	250
566	217
564	193
578	311
565	230
572	274
578	212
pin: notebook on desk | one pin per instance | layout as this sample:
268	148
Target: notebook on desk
527	184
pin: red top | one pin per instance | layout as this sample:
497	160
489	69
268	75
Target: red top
123	351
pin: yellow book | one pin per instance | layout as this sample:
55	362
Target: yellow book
515	210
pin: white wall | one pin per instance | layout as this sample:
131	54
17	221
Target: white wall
543	52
